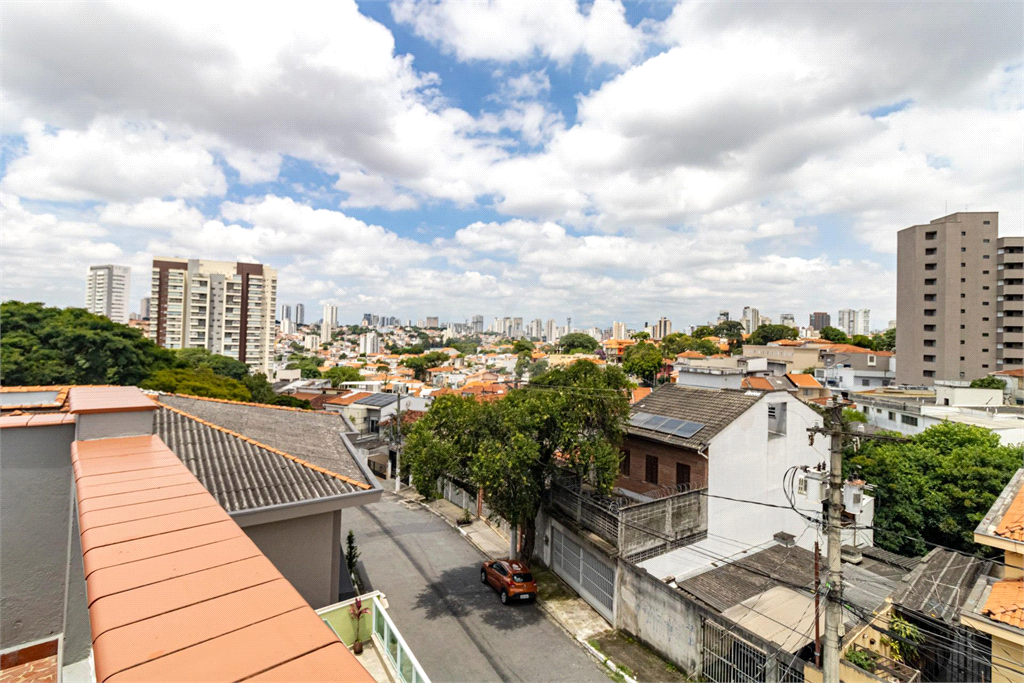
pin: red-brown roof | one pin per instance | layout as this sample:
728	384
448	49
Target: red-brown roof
22	419
639	393
347	399
690	354
803	380
1005	602
850	348
88	400
759	383
1011	526
1018	372
176	590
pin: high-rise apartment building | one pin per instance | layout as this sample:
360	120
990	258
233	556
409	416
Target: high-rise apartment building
330	321
847	320
551	330
862	323
619	331
286	312
787	319
819	320
723	316
478	324
432	322
226	308
751	318
107	289
300	314
144	307
956	304
662	328
369	343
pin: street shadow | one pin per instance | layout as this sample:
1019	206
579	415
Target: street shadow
459	593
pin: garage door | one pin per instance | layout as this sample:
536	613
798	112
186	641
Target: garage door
584	571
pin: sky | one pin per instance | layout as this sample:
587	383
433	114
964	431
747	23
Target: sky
595	160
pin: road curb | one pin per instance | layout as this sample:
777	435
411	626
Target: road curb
595	653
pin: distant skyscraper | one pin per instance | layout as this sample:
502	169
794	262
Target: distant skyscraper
327	326
300	314
551	331
478	324
286	312
820	320
847	320
723	316
224	307
432	322
751	318
863	322
107	291
787	319
369	343
619	331
662	328
144	307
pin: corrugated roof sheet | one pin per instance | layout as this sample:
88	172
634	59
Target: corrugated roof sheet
714	408
176	590
240	473
310	435
940	584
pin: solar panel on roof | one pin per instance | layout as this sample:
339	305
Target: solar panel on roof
639	419
688	429
656	422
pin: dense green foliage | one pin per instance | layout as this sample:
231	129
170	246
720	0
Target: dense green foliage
577	342
420	364
309	365
643	360
342	373
863	341
521	346
885	341
730	329
466	347
640	336
677	342
220	365
937	486
44	346
571	417
704	331
988	382
769	333
834	334
201	382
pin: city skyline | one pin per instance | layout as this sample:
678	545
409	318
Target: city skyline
495	170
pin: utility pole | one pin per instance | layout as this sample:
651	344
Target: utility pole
817	617
398	447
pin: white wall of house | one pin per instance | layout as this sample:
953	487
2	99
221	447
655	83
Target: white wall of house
748	463
708	378
966	396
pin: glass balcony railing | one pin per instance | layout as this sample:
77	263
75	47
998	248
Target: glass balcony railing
378	628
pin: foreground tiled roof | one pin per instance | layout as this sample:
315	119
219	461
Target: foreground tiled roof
1012	524
803	380
759	383
243	474
1005	602
176	590
313	436
714	408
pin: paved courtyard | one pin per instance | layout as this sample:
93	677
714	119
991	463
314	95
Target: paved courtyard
456	626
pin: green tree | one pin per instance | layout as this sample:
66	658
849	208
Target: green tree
834	334
309	365
259	388
769	333
863	341
988	382
704	331
577	342
290	402
640	336
936	487
221	365
886	341
677	342
201	382
420	364
521	346
730	329
41	345
643	360
342	373
351	552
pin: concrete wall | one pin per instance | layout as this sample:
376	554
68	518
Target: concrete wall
114	425
307	550
35	495
744	462
709	380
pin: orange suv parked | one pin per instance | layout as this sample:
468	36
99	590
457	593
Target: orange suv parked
511	578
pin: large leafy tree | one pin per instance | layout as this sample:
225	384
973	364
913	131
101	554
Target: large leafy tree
220	365
420	364
863	341
577	342
936	487
569	417
886	341
769	333
309	365
677	342
643	360
704	331
730	329
201	382
342	373
834	334
988	382
522	346
41	345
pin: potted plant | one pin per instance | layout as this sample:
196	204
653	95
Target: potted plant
358	612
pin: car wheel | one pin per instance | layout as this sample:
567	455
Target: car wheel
504	597
483	576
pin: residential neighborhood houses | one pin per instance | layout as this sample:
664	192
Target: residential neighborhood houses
568	341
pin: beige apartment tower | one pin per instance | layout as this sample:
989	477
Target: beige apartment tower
224	307
958	306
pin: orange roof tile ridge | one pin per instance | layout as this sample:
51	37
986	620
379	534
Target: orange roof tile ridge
288	661
245	403
300	461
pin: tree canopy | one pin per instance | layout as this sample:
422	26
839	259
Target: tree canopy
640	336
769	333
704	331
340	374
221	365
643	360
936	487
730	329
577	342
309	365
420	364
677	342
43	346
522	346
863	341
834	334
568	417
886	341
988	382
200	382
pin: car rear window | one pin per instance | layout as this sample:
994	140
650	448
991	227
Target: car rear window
522	577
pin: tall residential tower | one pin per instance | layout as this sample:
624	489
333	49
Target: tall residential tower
107	289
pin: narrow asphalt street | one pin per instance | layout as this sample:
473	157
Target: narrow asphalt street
455	625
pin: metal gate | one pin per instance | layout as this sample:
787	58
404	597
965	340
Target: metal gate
730	658
585	572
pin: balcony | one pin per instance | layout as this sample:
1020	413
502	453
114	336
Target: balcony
386	655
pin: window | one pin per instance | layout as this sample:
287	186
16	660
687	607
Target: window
984	350
892	416
984	303
962	358
624	464
929	359
927	342
984	365
908	420
682	474
986	240
984	334
984	286
986	222
651	473
929	312
963	249
962	342
963	295
929	297
872	359
929	373
985	256
963	327
865	383
930	266
777	418
929	251
984	272
929	281
929	328
931	235
963	265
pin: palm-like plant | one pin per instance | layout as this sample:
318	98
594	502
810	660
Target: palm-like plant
358	612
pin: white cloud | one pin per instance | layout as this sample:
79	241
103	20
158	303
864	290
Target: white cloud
111	160
509	31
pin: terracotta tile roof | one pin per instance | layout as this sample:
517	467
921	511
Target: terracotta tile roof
759	383
639	393
93	399
304	395
176	590
1005	603
59	401
1019	372
690	354
803	380
850	348
347	399
1012	524
35	420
